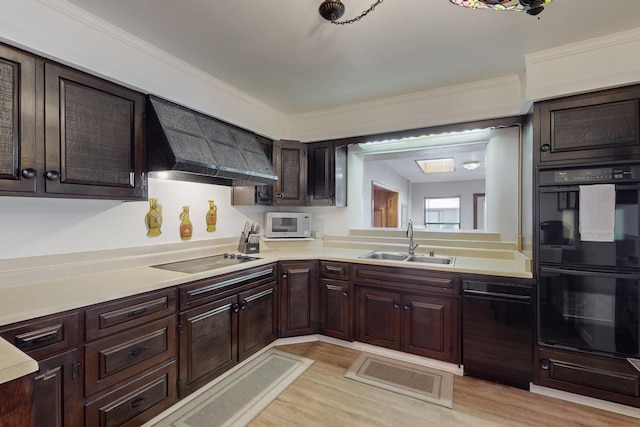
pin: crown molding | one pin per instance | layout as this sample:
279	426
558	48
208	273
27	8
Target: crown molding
121	36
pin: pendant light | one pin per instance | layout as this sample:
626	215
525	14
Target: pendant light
532	7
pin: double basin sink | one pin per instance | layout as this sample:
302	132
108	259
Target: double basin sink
406	257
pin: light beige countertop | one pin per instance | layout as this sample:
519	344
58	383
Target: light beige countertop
30	288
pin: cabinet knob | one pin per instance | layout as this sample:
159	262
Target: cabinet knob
345	292
545	147
544	364
29	173
279	195
236	308
284	276
396	305
243	305
52	175
406	306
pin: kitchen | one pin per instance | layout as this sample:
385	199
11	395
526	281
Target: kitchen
41	227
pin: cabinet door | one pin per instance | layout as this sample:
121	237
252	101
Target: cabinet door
57	391
258	321
94	137
298	298
16	402
208	342
335	309
590	126
290	163
320	174
428	327
378	317
18	168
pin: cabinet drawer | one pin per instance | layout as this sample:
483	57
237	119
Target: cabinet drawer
411	279
109	318
135	402
203	291
334	270
118	357
45	336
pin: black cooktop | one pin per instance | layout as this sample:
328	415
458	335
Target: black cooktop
198	265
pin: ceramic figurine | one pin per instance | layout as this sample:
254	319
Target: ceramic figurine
153	219
186	228
212	216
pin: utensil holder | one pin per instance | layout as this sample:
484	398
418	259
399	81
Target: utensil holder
247	248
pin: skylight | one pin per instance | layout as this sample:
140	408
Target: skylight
436	165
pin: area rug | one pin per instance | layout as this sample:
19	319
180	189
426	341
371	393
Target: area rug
412	380
239	398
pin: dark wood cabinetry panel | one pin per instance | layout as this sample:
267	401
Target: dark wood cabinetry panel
94	136
58	391
258	320
16	402
290	163
336	309
378	317
208	342
591	375
298	285
416	311
429	326
18	162
135	402
597	125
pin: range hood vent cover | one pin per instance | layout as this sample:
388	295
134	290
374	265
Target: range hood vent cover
191	146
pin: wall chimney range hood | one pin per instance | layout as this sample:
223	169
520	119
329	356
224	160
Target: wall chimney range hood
189	146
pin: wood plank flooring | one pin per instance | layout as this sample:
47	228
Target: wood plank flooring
323	397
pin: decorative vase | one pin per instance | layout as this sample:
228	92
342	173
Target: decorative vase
153	219
186	228
212	216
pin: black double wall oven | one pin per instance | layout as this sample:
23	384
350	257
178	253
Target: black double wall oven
588	283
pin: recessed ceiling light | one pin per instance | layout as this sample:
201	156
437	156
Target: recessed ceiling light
471	166
436	165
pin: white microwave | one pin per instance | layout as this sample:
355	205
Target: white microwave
287	224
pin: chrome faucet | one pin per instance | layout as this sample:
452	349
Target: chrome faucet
412	247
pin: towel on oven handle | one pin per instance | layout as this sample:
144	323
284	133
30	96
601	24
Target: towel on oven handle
597	212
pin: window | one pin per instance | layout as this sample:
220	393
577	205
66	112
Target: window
442	213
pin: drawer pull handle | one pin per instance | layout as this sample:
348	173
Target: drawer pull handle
137	312
330	269
137	402
38	337
138	351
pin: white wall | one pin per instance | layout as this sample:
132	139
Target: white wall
464	189
57	30
377	172
501	184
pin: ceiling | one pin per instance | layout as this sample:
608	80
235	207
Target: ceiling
286	56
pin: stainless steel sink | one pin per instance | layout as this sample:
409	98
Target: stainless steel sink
426	259
406	257
390	256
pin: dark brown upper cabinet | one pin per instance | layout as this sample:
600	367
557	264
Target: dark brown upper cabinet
290	163
65	133
94	137
18	167
326	174
597	125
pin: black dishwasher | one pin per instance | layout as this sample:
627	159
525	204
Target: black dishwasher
497	332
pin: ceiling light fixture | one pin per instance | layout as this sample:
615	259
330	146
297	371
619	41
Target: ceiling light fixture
471	166
532	7
332	10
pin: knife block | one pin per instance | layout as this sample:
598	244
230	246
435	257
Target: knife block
247	248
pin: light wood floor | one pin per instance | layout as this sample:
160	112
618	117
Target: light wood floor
323	397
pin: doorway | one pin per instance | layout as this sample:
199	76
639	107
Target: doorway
478	211
384	202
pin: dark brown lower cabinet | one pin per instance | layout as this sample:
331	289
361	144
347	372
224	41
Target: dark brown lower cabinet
587	374
335	309
411	310
135	402
16	402
218	335
298	284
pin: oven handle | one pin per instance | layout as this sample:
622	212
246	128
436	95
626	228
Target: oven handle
566	188
589	273
496	294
